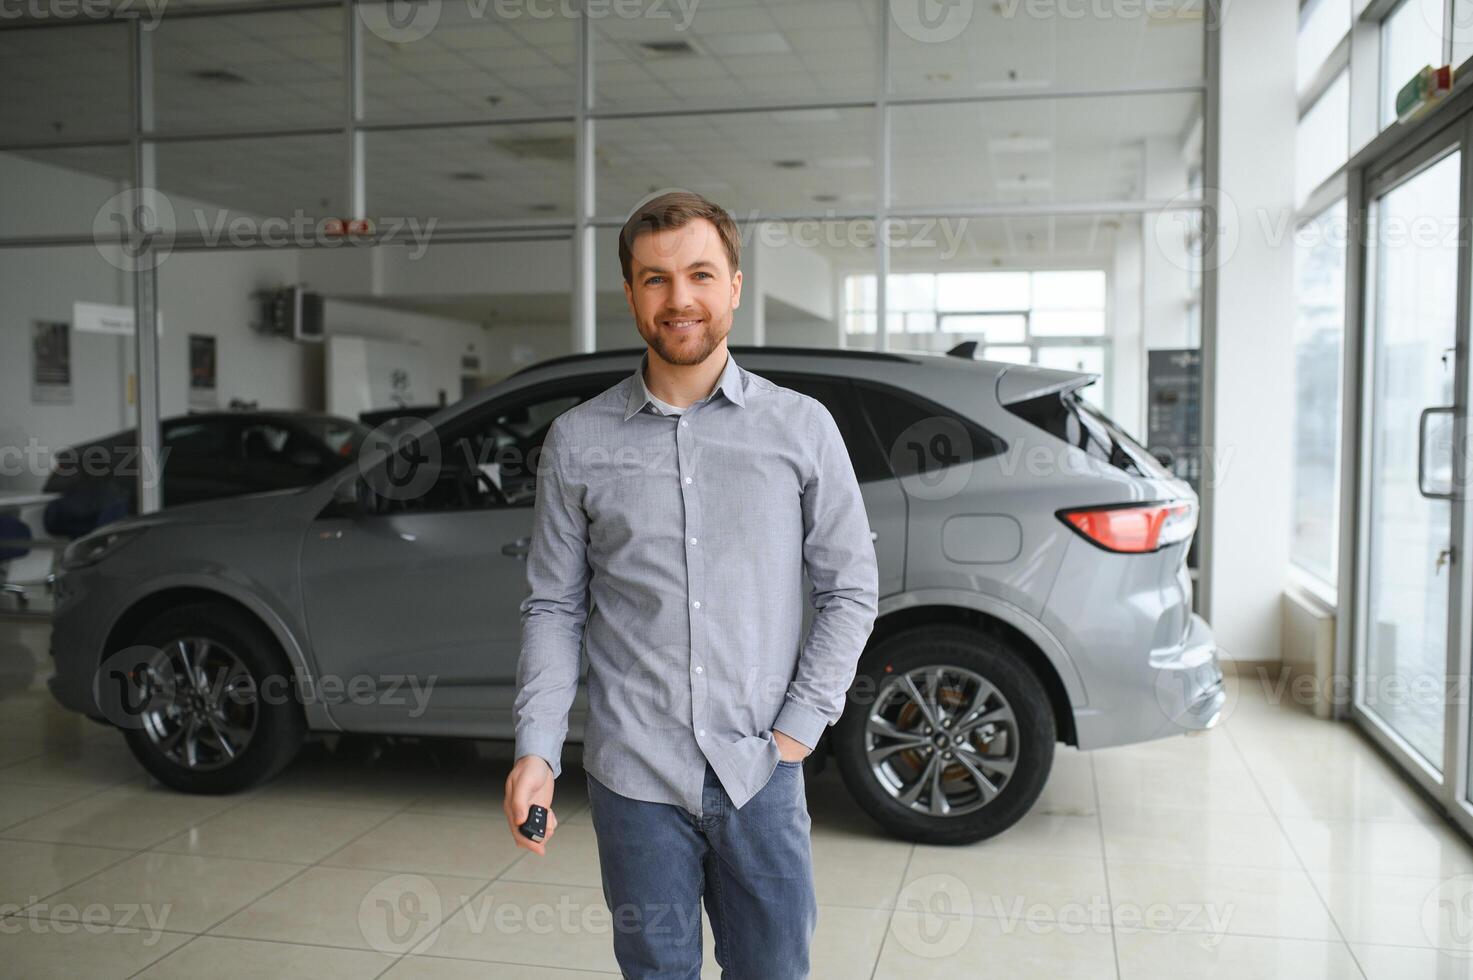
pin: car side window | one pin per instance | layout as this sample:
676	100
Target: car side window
487	458
203	438
916	432
269	442
840	398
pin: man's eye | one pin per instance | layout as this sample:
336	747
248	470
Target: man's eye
653	280
706	275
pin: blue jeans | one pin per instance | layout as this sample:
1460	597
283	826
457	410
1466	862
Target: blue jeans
753	866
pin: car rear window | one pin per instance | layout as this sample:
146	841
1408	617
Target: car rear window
1067	416
893	412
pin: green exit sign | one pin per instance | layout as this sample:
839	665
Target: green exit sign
1425	88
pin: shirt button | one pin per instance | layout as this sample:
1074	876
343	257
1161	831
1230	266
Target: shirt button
697	603
701	733
682	421
692	540
700	670
687	479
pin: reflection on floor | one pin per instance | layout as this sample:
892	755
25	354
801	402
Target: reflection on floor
1277	846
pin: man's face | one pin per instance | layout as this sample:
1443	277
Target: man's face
682	291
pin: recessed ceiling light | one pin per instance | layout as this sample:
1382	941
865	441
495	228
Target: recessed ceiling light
219	75
667	49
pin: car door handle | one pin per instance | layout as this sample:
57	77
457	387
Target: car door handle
517	549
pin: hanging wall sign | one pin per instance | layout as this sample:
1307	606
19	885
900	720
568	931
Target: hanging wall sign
51	362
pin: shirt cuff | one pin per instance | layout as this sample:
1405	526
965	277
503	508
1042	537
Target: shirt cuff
798	721
547	747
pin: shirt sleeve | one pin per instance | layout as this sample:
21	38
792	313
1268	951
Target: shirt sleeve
554	613
839	557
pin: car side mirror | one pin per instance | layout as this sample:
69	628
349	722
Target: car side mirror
353	497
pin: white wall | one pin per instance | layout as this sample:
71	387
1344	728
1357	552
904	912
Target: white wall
1253	367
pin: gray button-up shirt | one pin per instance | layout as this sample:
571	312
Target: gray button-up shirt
674	547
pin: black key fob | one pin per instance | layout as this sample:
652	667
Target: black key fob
535	827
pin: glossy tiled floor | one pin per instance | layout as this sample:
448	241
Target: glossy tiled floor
1277	846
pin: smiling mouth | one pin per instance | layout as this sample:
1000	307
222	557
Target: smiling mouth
680	326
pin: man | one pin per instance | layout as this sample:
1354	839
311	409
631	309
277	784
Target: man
676	513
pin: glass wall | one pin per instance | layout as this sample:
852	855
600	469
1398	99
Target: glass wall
1026	176
1319	331
1322	145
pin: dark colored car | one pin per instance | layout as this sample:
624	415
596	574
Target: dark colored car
205	457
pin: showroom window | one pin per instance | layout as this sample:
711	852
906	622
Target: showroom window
1319	333
1322	141
1411	39
1052	318
1322	25
484	148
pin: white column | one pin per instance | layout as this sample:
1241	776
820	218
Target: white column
1251	353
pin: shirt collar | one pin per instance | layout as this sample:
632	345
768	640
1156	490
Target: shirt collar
729	383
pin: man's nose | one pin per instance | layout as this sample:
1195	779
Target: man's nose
680	294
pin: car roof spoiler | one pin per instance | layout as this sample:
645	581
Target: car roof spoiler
1021	382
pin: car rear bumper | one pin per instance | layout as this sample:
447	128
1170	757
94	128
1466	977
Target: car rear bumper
1177	690
1188	682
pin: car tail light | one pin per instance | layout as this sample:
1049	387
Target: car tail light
1135	528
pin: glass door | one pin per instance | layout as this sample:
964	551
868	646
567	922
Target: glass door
1407	640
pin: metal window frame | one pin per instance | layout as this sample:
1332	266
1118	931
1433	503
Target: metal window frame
143	138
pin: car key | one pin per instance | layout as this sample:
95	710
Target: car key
535	826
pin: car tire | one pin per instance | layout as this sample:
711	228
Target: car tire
980	677
231	646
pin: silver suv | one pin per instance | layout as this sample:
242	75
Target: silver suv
1033	589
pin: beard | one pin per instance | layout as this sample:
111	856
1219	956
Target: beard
692	348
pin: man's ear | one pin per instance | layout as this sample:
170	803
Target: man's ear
736	289
629	298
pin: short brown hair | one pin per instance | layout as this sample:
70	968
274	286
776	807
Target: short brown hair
676	210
